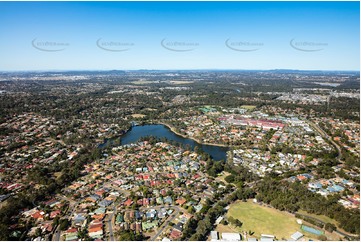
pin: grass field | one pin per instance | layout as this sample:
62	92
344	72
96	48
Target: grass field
138	115
248	107
181	82
262	220
320	217
226	229
57	174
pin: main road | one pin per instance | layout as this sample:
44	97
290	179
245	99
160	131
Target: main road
325	135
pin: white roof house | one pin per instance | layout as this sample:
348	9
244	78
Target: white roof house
219	219
214	235
231	236
297	236
267	237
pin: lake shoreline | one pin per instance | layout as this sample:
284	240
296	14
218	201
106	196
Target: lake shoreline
162	129
169	126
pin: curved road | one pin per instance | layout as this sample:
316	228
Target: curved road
166	222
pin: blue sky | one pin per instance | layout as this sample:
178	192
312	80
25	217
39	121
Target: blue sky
261	35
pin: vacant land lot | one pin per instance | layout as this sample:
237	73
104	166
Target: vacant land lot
262	220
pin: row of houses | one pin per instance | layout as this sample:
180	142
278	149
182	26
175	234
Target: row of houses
133	179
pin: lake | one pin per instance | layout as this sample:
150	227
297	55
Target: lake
162	131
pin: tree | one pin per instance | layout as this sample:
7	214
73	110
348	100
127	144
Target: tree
37	232
238	223
230	178
125	236
4	232
64	224
293	196
322	237
231	220
191	209
82	233
330	227
55	221
224	222
189	228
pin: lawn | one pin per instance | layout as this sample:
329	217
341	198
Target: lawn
262	220
223	175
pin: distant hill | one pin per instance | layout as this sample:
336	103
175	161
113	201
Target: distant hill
290	71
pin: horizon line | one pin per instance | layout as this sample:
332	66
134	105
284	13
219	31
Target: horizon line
197	69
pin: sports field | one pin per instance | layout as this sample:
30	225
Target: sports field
262	220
